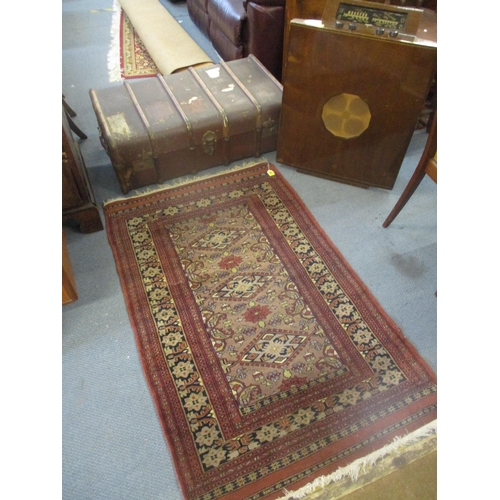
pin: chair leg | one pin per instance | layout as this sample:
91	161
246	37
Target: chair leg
68	108
413	184
73	126
420	172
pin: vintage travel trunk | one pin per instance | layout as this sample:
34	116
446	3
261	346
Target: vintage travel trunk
163	127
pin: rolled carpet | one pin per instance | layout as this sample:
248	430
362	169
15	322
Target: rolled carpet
168	44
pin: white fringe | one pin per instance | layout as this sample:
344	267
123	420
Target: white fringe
182	181
359	466
114	69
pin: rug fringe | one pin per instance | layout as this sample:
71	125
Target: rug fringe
359	466
182	181
114	69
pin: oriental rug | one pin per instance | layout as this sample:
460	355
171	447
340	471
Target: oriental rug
128	57
135	61
269	361
157	36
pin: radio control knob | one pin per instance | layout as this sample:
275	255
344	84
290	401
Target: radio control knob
339	24
380	31
393	33
352	26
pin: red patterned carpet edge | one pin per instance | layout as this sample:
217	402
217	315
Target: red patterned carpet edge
127	57
269	361
135	61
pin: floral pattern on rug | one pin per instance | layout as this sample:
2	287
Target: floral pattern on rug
260	326
270	361
135	60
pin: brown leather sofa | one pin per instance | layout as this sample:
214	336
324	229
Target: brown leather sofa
237	28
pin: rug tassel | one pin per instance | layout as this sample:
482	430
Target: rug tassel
360	465
114	69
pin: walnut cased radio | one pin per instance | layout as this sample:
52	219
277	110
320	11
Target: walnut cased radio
353	93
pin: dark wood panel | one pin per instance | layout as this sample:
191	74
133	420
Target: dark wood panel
69	293
78	203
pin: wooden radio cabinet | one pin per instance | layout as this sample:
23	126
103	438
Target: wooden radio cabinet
354	85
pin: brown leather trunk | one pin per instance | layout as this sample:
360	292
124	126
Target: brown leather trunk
164	127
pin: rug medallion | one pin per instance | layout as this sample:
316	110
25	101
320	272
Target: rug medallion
269	361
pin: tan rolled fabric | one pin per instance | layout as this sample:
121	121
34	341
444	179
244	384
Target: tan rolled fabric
168	44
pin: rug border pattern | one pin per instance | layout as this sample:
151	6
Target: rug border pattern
152	355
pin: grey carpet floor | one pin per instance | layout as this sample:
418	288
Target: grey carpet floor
112	444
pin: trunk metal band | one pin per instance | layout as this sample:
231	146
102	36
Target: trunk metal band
149	130
264	69
108	140
225	122
187	121
258	107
